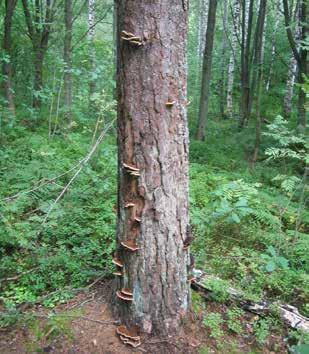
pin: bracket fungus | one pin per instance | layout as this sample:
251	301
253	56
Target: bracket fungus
130	245
126	291
131	38
170	103
118	274
138	220
130	167
191	279
117	262
129	205
123	296
130	333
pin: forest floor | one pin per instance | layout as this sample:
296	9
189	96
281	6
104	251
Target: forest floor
85	324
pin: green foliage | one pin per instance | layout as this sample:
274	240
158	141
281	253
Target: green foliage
261	329
233	320
74	244
213	321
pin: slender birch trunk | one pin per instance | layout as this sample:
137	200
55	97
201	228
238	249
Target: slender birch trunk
92	54
67	58
232	61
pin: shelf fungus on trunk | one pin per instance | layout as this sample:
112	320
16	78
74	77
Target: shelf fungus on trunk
191	279
129	205
117	274
130	167
126	291
170	103
131	38
129	336
130	333
117	262
130	245
123	296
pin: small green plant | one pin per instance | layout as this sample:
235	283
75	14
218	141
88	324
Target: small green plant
233	320
261	329
273	261
213	321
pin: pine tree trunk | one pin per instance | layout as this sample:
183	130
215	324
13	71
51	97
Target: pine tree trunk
231	66
67	57
153	137
206	70
92	54
6	46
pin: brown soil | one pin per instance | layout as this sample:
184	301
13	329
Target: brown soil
85	325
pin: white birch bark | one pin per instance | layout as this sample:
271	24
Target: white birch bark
91	34
202	23
231	65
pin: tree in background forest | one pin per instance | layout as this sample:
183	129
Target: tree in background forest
153	233
6	46
206	70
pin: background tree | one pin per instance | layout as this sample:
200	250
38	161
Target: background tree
300	54
67	58
206	70
6	46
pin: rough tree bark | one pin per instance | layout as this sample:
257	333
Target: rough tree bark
153	164
245	61
92	55
231	65
39	27
206	70
6	46
67	58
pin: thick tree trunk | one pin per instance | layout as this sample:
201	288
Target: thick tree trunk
245	61
67	57
231	66
6	46
206	70
153	138
92	55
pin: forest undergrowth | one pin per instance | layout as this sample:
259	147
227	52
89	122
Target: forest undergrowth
249	224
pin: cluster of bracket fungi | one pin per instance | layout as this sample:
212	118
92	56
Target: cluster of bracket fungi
129	336
130	245
131	38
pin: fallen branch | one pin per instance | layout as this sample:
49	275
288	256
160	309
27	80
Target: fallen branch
289	314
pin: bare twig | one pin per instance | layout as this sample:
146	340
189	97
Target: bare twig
83	163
